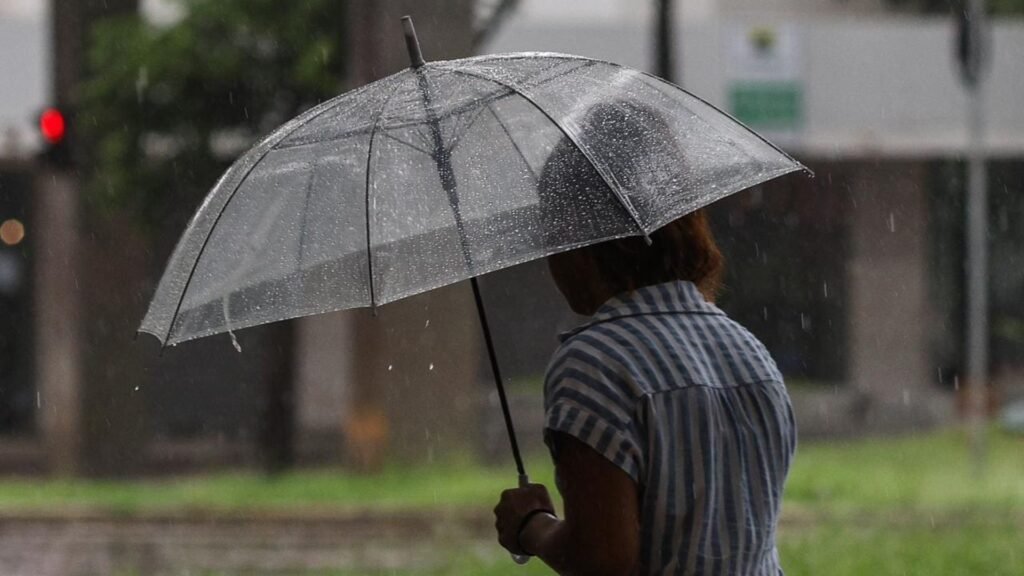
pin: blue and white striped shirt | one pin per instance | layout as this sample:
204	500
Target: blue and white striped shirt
691	405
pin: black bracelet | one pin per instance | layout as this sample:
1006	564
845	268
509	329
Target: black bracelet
526	520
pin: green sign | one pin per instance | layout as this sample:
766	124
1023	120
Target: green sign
767	105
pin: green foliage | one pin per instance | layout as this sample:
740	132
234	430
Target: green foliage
166	109
456	483
996	7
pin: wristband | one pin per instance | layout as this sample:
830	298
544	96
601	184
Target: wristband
526	520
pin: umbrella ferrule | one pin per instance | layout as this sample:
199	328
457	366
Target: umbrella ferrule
412	43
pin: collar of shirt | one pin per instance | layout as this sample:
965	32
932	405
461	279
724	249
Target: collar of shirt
679	297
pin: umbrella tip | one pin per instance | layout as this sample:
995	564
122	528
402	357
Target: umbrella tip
412	43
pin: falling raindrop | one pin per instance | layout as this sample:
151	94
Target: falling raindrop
431	366
956	382
906	397
234	342
136	388
765	312
390	367
141	83
892	222
427	325
824	288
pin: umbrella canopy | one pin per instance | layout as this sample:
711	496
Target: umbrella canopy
432	176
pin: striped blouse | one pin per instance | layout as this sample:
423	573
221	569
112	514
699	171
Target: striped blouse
689	404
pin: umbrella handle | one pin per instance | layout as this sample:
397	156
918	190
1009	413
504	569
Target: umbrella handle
521	559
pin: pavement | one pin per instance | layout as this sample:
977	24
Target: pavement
84	543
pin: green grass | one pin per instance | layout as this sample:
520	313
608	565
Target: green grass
931	473
905	507
452	484
912	547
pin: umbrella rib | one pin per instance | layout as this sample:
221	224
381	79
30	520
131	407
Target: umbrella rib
716	109
268	145
369	165
608	179
394	125
515	144
461	131
409	144
305	214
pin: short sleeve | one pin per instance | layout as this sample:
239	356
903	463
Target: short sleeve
588	400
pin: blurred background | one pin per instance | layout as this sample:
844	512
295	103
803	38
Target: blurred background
354	444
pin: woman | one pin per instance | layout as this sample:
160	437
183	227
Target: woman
669	424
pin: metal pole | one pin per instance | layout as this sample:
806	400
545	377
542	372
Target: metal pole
664	48
977	249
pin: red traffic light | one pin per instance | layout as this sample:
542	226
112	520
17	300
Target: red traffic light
52	125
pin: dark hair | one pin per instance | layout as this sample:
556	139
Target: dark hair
628	136
683	249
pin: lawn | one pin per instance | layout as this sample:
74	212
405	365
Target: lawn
907	506
453	484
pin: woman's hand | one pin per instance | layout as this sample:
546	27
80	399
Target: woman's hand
600	534
515	506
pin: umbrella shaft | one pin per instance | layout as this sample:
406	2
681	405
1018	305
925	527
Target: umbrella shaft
497	379
443	160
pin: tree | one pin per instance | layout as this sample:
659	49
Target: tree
167	109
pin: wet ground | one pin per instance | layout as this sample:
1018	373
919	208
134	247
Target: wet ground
234	544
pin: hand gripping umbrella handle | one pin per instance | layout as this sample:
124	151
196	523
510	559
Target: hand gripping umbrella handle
520	559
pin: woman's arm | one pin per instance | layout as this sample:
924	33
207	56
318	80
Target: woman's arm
601	530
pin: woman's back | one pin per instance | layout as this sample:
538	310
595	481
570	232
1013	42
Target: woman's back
692	407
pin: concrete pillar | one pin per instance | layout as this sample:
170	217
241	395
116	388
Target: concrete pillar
57	320
413	386
325	359
889	309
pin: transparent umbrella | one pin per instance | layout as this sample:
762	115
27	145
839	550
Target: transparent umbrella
434	175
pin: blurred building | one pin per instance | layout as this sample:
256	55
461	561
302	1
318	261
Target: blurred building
77	395
852	279
23	52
